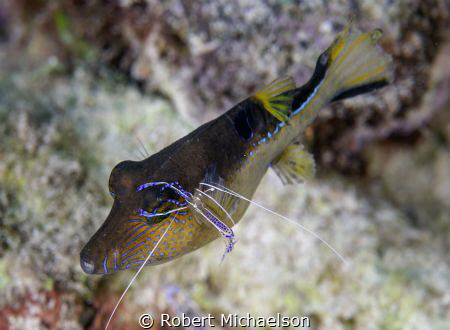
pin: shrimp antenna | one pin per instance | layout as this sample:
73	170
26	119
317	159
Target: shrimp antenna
231	192
137	273
218	204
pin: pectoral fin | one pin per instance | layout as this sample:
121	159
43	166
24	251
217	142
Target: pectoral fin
273	98
214	199
294	165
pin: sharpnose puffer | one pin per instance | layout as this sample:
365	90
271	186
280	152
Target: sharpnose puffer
186	195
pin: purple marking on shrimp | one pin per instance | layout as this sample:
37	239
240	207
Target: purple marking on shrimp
174	185
224	230
146	214
218	224
230	245
145	186
228	249
177	203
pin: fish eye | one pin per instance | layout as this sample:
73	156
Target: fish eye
157	203
155	196
150	198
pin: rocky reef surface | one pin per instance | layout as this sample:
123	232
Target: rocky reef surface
84	84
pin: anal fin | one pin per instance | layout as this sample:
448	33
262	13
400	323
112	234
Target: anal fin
294	165
273	98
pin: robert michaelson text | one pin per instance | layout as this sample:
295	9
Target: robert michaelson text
234	320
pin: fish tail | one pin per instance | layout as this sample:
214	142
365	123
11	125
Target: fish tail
356	64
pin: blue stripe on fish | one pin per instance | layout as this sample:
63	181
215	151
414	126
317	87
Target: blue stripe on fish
304	104
105	267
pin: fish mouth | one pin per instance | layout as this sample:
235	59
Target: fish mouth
86	263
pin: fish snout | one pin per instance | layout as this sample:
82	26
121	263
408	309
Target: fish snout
87	263
95	259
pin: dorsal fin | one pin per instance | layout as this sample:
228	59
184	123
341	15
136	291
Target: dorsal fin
272	99
294	165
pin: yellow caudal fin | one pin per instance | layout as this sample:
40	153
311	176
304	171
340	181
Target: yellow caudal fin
356	64
273	98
